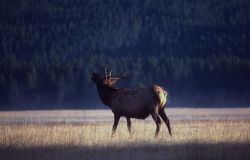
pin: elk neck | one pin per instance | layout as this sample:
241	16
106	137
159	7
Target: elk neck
105	93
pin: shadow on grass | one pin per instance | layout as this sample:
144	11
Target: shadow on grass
188	151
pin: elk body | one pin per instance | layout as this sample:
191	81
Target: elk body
139	103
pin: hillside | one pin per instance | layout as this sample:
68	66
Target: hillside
198	50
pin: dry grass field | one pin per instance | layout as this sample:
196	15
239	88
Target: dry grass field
61	135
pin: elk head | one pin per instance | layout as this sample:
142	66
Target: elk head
108	80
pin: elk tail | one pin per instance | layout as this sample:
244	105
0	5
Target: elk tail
163	98
161	95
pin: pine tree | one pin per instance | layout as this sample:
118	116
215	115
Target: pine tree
14	92
61	90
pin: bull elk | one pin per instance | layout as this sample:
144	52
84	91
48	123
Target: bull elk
138	103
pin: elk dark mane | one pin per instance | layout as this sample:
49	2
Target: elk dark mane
105	93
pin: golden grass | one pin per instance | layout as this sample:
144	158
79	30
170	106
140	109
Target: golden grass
192	139
86	140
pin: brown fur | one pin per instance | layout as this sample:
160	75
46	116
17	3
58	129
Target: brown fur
139	103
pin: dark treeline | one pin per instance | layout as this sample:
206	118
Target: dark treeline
55	80
197	49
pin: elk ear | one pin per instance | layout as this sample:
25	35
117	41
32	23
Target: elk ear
113	81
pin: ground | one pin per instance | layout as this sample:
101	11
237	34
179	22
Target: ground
85	134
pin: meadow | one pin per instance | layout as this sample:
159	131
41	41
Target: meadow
85	134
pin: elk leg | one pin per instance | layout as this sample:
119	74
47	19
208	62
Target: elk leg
157	122
129	126
116	121
166	120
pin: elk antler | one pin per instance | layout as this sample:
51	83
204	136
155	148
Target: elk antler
124	74
110	73
106	75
